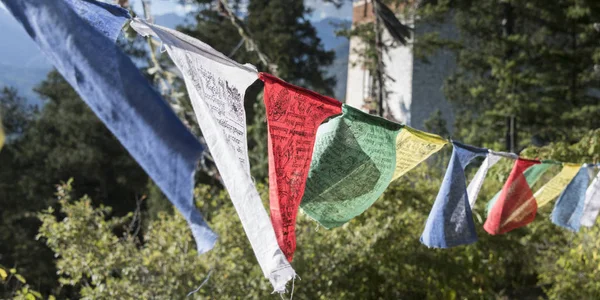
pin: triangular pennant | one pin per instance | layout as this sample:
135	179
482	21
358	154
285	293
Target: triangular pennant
293	116
216	86
556	185
515	206
450	222
353	162
82	48
490	160
413	147
592	203
532	175
569	207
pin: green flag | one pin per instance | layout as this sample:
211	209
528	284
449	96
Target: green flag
353	162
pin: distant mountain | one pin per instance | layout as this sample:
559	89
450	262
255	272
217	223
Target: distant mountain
326	29
171	20
24	79
22	65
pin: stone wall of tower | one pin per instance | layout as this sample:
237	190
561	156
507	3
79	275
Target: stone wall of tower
415	88
429	76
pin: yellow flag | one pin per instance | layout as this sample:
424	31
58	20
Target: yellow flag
556	185
413	147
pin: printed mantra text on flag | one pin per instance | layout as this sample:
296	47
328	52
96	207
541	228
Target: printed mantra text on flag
293	116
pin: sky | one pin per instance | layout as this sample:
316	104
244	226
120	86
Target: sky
16	72
321	9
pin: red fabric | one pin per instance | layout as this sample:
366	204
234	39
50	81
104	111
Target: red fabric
516	206
293	116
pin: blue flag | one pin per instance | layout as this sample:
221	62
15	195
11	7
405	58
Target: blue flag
568	209
78	37
450	222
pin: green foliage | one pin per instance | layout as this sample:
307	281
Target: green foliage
436	124
104	265
17	285
367	258
15	115
290	41
530	59
376	255
64	139
282	31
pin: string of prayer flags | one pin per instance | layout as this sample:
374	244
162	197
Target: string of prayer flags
450	222
568	209
556	185
353	163
82	48
79	36
516	206
592	203
491	159
293	116
413	147
217	86
532	175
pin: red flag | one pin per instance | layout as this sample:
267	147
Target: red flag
293	116
516	206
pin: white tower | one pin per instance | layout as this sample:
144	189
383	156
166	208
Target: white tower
415	88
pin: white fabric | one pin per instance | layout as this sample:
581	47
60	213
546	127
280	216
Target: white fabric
477	181
592	203
216	86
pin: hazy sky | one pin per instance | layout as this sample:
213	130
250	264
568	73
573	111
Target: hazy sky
321	11
22	54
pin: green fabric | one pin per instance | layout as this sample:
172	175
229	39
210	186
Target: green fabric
532	175
353	162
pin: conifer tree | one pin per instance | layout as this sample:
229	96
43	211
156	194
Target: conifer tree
532	60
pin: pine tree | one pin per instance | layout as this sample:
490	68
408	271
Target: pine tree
64	140
533	60
286	37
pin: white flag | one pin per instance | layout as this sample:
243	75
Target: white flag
216	86
592	203
477	181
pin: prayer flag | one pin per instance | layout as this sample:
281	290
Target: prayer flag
217	86
450	222
515	206
532	175
78	36
413	147
293	116
556	185
569	206
592	203
490	160
353	163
